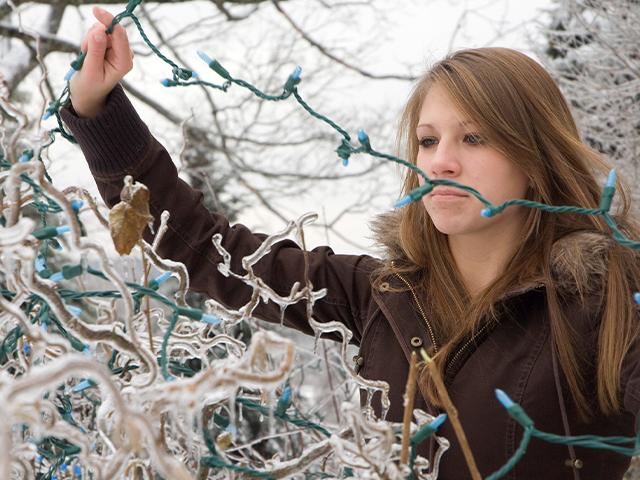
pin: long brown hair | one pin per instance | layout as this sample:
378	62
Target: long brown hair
521	113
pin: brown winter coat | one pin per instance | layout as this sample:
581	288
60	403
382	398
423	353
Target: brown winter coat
513	354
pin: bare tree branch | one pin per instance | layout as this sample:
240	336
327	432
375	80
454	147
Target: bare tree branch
50	25
240	142
328	54
47	40
230	16
166	113
5	7
591	48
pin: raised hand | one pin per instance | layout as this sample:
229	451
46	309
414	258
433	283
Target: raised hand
108	59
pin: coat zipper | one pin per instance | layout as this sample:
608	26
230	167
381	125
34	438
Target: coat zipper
431	334
426	321
467	343
473	338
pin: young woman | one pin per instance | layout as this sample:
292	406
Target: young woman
537	304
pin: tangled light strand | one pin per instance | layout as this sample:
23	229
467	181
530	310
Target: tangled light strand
354	454
82	392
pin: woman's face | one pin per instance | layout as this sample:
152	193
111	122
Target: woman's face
451	147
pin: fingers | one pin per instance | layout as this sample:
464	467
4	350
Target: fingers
103	16
120	47
120	52
96	48
96	27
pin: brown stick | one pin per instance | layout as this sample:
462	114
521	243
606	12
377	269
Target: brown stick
146	268
409	395
452	413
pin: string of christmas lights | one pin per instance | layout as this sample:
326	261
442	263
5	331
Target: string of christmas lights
52	307
76	395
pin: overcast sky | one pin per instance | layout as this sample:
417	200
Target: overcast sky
419	33
424	32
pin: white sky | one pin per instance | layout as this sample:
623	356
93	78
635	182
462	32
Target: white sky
421	33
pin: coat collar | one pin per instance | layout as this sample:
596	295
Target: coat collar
578	260
578	263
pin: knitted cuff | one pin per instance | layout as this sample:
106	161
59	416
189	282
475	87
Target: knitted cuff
115	140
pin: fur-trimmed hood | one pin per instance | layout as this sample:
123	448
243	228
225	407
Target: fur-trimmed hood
578	261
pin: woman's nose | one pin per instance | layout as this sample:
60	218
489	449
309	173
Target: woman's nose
444	161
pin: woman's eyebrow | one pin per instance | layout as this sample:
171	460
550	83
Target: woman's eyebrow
462	124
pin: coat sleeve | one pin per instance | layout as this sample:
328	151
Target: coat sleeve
117	143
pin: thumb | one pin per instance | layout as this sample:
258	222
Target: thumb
96	47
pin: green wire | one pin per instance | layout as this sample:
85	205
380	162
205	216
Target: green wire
183	77
163	349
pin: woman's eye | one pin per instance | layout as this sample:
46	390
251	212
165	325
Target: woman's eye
473	139
470	138
427	141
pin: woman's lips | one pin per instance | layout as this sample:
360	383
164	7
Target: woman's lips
447	198
447	194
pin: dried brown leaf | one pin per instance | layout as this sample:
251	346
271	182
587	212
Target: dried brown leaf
129	218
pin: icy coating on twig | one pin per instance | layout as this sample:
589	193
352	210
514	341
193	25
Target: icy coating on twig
221	396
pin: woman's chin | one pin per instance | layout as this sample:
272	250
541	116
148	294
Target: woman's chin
449	228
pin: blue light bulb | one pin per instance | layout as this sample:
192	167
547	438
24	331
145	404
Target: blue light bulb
439	420
284	401
486	212
40	263
406	200
73	310
204	57
83	385
611	179
57	277
504	399
286	394
70	73
162	278
210	319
